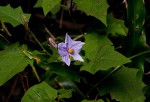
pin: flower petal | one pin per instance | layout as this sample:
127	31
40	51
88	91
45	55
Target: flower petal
68	40
77	45
62	49
76	56
66	59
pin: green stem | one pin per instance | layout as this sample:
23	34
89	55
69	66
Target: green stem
12	89
139	54
5	28
82	95
36	74
37	41
107	76
29	31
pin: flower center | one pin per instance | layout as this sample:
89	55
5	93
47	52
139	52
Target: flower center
71	51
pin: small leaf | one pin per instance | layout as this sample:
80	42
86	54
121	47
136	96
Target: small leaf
101	54
65	93
11	15
116	26
48	5
124	86
54	56
12	62
40	93
96	8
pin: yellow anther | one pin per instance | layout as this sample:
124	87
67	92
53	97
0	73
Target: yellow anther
71	51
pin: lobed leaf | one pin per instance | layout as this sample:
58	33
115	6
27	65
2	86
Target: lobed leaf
116	26
96	8
11	15
124	86
40	93
48	5
101	54
12	62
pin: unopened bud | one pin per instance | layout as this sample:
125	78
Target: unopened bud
52	42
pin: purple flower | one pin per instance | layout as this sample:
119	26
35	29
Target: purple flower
70	48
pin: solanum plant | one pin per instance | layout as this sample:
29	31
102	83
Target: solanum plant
74	51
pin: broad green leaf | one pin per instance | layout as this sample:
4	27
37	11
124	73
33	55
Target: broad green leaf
48	5
100	100
65	93
100	54
116	26
96	8
12	61
124	86
40	93
11	15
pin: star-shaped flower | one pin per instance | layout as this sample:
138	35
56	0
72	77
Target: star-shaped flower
70	48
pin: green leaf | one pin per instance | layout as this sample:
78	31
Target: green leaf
124	86
54	56
116	26
101	54
40	93
11	15
96	8
12	61
48	5
65	93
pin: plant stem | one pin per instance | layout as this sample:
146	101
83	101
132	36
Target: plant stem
78	37
107	76
12	89
5	28
25	24
139	54
36	74
37	41
51	35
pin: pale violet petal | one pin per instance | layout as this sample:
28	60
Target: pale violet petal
77	57
77	45
62	49
66	59
68	40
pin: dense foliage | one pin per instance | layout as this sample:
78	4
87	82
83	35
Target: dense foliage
115	39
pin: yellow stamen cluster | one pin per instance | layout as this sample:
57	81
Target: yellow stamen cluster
71	51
